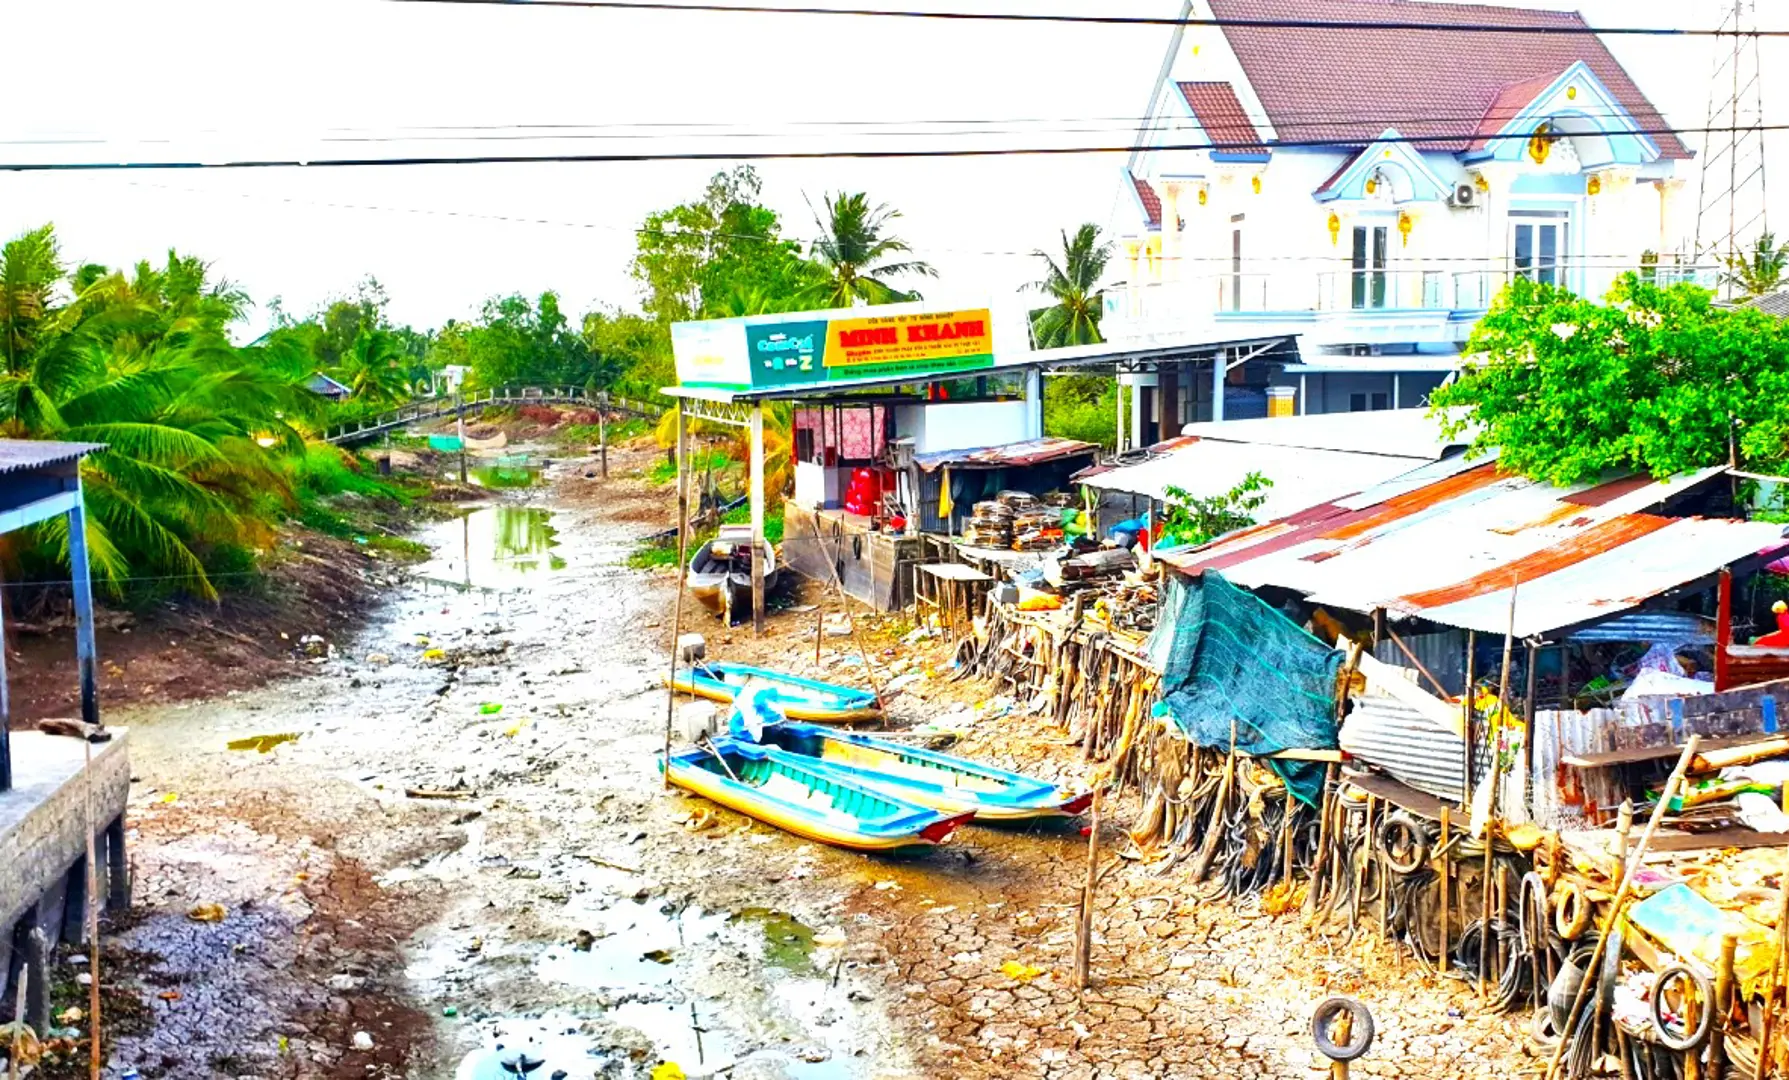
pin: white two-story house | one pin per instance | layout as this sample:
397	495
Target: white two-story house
1361	195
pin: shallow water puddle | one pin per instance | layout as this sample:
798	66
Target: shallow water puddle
506	473
494	547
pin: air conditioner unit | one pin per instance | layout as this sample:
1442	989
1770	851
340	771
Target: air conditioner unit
1465	195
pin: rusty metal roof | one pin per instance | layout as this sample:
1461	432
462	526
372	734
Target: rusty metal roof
1445	543
1010	455
18	455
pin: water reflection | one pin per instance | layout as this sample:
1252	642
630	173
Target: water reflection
495	547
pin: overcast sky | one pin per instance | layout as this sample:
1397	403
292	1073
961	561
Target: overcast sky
260	78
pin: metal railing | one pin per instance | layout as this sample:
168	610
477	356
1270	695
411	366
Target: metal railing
435	408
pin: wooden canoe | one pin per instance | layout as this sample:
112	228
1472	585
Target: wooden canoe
798	699
942	781
813	803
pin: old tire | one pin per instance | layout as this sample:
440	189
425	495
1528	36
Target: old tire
1360	1034
1403	844
1696	1036
1571	910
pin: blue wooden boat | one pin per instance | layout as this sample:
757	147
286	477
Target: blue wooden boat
798	796
797	698
943	782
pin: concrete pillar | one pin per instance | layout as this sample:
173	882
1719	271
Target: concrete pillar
32	949
1171	252
74	904
1167	400
1136	411
83	590
1034	393
756	479
1302	395
117	867
1219	366
1397	388
1118	439
5	717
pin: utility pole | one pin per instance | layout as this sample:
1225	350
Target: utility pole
1731	203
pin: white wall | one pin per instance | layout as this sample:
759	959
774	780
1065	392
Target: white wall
938	426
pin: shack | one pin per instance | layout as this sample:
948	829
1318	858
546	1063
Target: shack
890	410
56	794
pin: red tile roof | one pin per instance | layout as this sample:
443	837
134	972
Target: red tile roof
1215	106
1152	203
1508	104
1432	85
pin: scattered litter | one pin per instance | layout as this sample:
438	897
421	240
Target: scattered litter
583	940
207	913
1013	969
262	744
440	793
171	797
885	886
901	682
837	624
830	939
169	995
434	654
71	1015
363	1041
701	819
378	658
667	1070
657	956
449	1011
491	708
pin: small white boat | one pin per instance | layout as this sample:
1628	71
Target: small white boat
720	572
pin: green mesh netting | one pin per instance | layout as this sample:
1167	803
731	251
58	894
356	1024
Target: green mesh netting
1225	656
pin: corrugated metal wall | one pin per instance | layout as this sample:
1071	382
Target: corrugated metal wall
1444	654
1404	744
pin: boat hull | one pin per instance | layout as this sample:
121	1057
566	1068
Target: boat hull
885	824
944	782
799	699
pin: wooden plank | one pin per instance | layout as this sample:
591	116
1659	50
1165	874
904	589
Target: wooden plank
1403	796
1297	754
1634	755
1597	841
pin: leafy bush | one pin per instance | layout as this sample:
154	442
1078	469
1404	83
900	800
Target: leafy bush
1082	407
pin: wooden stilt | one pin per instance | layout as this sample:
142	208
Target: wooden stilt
683	528
1084	929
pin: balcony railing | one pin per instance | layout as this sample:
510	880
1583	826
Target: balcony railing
1399	289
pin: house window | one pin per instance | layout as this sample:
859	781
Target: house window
1537	249
1372	402
1371	245
1357	403
1381	401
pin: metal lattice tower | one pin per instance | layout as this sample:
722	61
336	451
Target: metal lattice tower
1731	207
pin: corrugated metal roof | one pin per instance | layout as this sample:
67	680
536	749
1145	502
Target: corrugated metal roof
1209	467
1410	433
1014	455
17	455
1446	541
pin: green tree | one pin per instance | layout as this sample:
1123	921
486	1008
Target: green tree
857	256
1082	406
1656	380
637	349
1074	285
376	367
520	341
1194	519
1759	272
693	256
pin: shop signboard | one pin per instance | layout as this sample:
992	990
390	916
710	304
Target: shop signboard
821	349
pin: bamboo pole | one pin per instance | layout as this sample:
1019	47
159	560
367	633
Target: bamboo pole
1447	873
1214	829
1493	736
1779	972
1414	662
18	1022
95	1062
683	528
1621	897
1084	929
1723	1006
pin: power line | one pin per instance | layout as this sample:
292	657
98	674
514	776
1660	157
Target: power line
1245	145
1616	259
1553	30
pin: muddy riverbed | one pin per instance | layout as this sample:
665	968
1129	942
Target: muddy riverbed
446	852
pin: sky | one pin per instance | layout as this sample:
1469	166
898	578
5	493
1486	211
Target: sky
307	78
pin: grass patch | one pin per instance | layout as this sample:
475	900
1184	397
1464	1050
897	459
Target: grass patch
664	471
616	433
651	556
401	547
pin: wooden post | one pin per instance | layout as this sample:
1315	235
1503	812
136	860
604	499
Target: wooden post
1723	629
95	1061
1723	1006
602	431
1341	1034
460	426
1466	721
1493	779
1619	903
1623	828
756	480
85	653
683	528
5	712
1084	930
1528	727
1447	873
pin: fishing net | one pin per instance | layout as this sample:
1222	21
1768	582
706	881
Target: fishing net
1227	657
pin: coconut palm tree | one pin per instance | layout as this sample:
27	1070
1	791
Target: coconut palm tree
376	368
1074	285
192	436
1759	272
855	254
